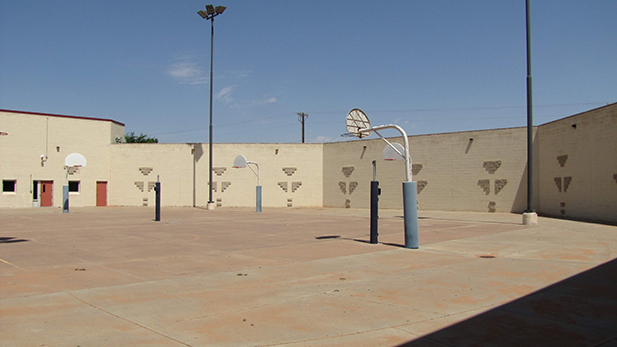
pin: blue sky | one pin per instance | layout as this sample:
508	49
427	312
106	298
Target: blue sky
429	66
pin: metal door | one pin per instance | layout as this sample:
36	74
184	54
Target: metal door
101	193
47	190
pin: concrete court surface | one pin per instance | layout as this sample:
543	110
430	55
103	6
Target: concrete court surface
302	277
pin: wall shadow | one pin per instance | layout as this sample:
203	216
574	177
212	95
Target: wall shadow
199	151
519	205
578	311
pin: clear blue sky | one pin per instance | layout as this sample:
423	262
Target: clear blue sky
429	66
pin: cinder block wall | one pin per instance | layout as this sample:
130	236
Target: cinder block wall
290	174
578	172
480	171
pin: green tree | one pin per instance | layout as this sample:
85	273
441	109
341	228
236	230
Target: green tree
141	138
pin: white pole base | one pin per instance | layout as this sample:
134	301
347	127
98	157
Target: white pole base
210	206
530	218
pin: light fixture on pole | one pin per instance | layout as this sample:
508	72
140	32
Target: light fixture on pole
209	14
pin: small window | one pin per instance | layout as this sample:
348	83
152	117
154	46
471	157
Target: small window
8	186
74	186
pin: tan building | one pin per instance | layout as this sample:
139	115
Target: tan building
574	160
32	158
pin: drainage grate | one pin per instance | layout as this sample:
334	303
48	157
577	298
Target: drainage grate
487	256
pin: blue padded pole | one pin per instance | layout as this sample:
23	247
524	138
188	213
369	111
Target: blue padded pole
258	195
410	210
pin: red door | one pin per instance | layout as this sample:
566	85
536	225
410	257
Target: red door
47	193
101	193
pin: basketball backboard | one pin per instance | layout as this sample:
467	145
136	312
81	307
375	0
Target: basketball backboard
240	162
357	121
75	160
393	151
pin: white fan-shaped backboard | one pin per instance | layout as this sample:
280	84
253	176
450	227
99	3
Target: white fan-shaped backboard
75	160
240	161
390	153
356	121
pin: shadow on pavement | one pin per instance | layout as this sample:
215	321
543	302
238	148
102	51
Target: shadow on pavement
11	240
578	311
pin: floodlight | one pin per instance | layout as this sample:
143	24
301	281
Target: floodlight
203	14
220	9
210	9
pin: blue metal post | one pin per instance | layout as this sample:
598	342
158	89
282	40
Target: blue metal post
258	196
157	213
374	211
65	199
410	209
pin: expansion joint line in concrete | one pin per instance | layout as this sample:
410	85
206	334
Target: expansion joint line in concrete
9	263
129	321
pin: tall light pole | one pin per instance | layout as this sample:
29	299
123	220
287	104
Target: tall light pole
529	216
209	14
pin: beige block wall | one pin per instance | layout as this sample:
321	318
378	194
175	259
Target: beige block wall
31	135
290	174
453	173
578	176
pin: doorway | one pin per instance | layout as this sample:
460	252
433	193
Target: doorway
47	189
35	194
101	193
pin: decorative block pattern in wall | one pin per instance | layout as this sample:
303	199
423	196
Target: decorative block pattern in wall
145	170
290	202
420	185
214	186
347	171
566	183
139	185
145	202
562	183
347	203
485	185
289	171
295	186
416	168
284	186
219	202
219	171
151	185
492	166
492	206
225	185
558	183
352	187
343	186
499	184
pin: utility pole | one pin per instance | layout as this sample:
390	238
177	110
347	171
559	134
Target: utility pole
301	117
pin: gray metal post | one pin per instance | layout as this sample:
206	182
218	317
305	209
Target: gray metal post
410	207
65	199
258	197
